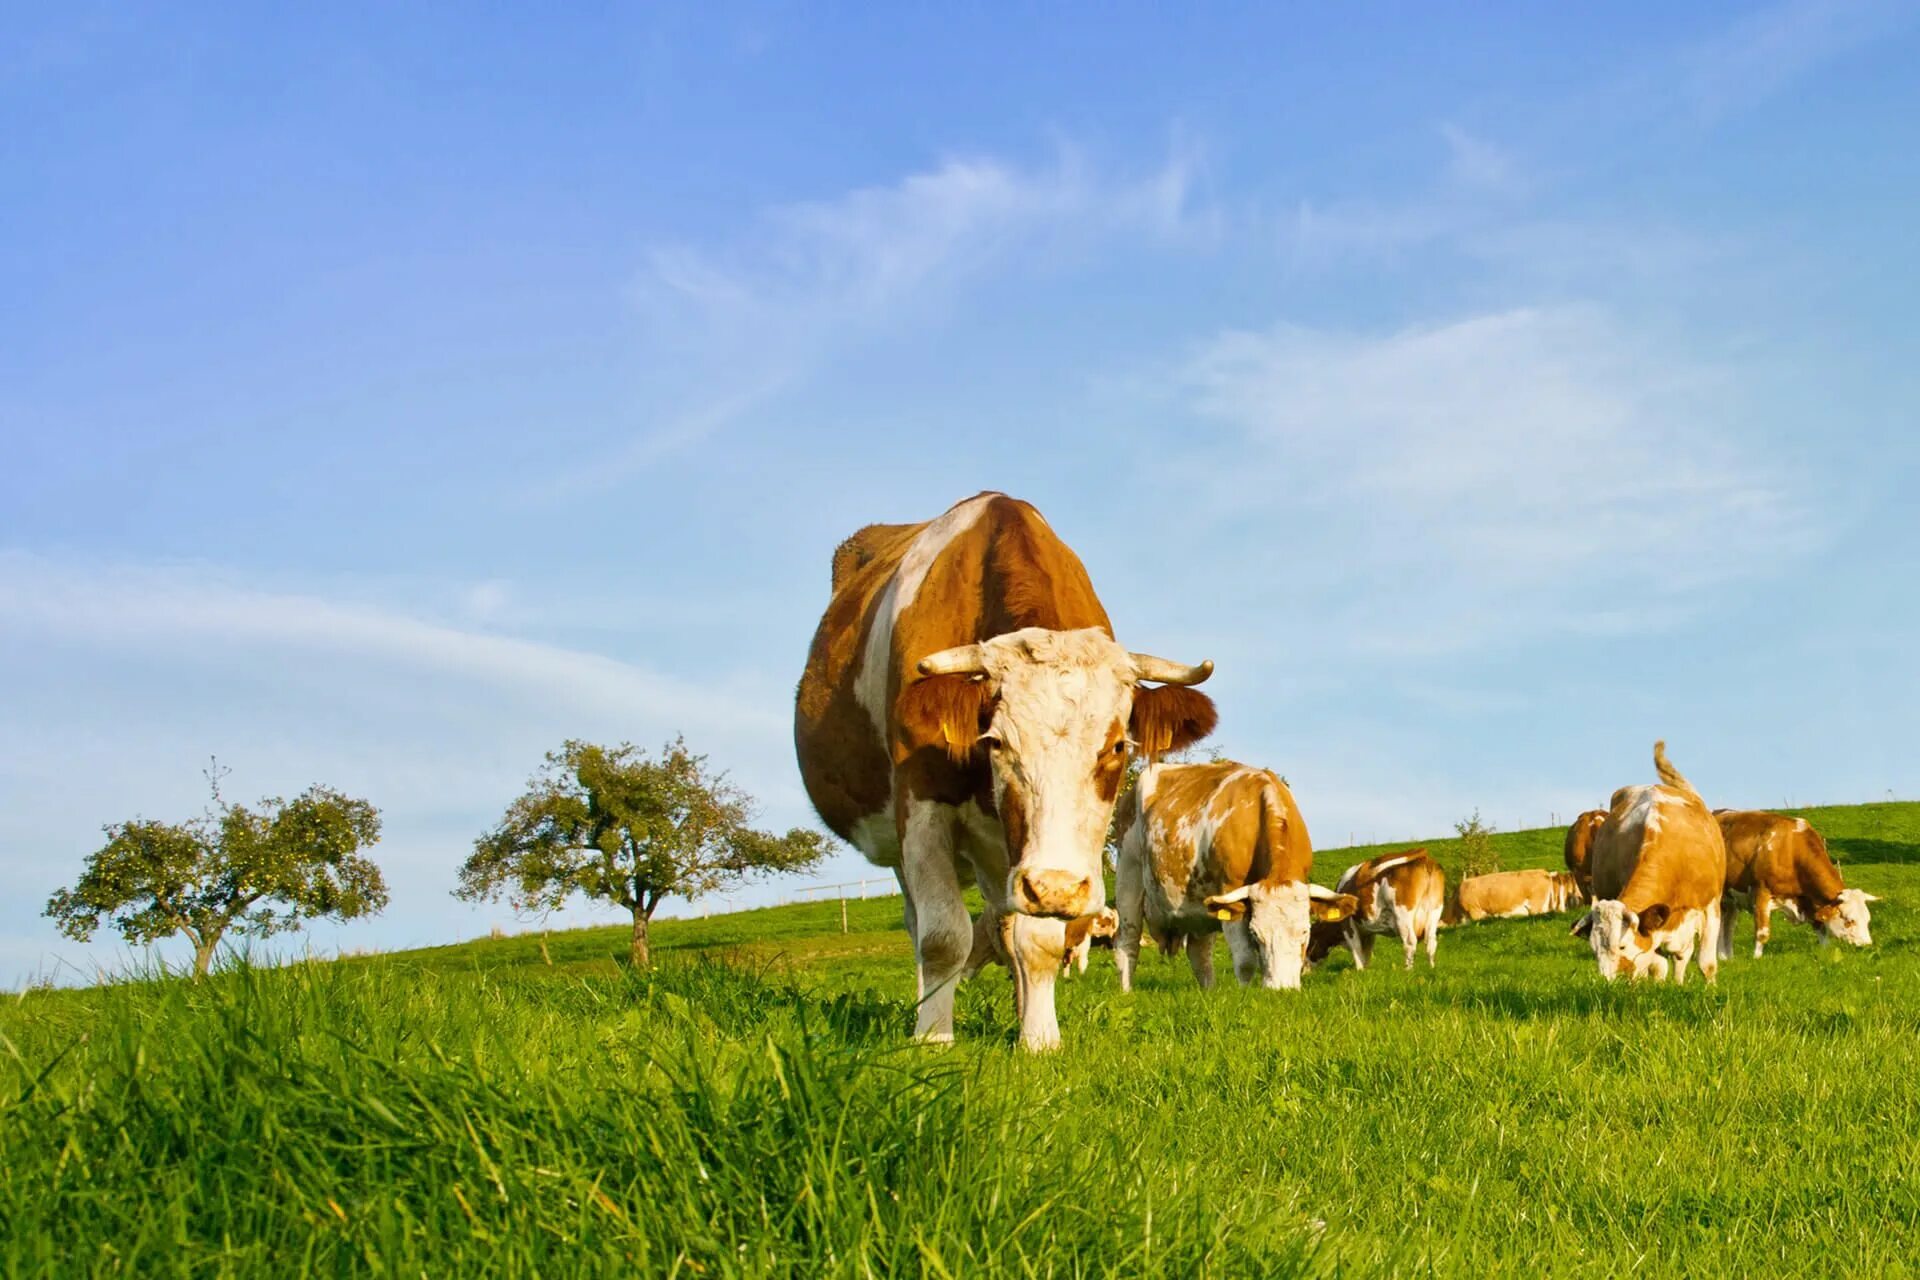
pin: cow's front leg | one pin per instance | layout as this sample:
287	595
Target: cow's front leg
1724	932
1712	924
1762	920
1130	904
1036	946
1200	956
943	931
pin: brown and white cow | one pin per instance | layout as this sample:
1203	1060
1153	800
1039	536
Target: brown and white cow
965	711
1502	895
1218	847
1579	847
1659	864
1777	861
1401	893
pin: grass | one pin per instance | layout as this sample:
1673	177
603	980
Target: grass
749	1108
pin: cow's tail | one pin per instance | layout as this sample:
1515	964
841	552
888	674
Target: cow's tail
1379	869
1669	775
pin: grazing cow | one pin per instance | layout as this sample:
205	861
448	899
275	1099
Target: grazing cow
1659	865
965	711
1579	847
1504	894
1402	893
1777	861
1218	847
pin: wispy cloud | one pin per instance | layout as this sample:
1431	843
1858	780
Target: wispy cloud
1768	50
732	326
1496	476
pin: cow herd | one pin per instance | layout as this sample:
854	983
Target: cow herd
966	716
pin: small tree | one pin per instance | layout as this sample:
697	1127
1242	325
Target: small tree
1478	856
253	871
614	824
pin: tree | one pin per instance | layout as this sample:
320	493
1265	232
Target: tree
617	825
252	871
1478	854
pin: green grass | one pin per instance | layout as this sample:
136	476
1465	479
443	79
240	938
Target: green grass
749	1108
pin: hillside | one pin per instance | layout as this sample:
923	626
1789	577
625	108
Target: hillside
749	1108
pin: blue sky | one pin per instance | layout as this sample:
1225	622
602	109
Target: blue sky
388	395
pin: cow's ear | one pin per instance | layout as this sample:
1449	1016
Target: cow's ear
948	712
1231	905
1654	917
1826	914
1168	717
1583	926
1333	910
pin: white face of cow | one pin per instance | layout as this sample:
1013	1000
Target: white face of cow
1058	746
1613	932
1849	921
1279	920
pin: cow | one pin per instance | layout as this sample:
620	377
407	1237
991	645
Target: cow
1505	894
1578	851
1211	848
1659	866
966	712
1402	893
1777	861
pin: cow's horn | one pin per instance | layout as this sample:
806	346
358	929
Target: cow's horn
962	660
1161	671
1321	892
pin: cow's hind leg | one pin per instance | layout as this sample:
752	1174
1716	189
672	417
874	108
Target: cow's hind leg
943	931
1762	920
1433	937
1409	930
1360	944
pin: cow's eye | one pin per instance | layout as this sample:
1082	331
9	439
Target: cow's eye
1119	748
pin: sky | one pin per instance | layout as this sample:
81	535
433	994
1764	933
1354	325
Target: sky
390	394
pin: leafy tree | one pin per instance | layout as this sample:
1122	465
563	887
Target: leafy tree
254	871
1478	854
620	826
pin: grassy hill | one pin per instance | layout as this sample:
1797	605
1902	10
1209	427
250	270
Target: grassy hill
750	1107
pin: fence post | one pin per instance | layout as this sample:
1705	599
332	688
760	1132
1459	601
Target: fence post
843	913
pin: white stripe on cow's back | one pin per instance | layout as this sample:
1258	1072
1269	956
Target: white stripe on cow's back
871	689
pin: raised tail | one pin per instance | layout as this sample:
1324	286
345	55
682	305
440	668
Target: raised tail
1668	774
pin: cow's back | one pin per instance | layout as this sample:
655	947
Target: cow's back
1659	844
1784	855
1501	893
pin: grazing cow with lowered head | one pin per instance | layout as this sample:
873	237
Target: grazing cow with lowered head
1506	894
1777	861
1401	893
1659	865
1579	847
1083	934
1218	847
966	713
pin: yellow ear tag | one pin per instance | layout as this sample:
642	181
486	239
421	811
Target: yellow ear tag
1221	913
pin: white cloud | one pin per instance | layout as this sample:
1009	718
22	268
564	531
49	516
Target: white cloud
1767	50
1496	476
730	327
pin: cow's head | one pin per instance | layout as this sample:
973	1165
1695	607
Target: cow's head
1622	940
1057	714
1847	919
1279	919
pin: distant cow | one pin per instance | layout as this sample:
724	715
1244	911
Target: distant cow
1218	847
1402	893
1503	894
1777	861
1579	847
1659	865
965	716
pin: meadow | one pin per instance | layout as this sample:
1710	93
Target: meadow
750	1107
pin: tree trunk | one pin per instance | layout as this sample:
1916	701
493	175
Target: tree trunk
639	955
203	956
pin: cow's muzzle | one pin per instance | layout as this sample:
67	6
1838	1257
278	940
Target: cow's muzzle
1052	893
